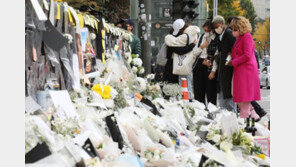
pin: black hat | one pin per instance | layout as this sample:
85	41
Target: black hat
129	21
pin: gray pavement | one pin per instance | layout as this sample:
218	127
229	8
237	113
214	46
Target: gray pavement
265	104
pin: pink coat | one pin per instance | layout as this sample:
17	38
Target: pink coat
246	84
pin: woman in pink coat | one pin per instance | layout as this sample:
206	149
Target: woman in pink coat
246	84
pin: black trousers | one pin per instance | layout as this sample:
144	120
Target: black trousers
202	85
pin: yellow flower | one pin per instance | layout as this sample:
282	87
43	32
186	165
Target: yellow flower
105	92
262	156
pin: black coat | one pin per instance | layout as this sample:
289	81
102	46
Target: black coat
168	75
225	72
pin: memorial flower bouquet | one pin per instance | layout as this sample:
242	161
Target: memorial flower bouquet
153	155
214	134
136	63
172	90
66	127
243	140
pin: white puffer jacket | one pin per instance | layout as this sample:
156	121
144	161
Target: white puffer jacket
181	40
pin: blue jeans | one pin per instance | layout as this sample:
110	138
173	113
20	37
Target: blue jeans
226	103
189	83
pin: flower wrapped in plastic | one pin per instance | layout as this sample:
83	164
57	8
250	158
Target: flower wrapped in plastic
103	90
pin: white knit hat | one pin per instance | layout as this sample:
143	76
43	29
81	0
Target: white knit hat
178	25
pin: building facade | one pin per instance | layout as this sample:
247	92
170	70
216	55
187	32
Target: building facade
262	8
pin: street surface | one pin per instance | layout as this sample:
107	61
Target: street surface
265	103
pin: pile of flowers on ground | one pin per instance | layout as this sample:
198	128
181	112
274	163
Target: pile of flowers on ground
155	129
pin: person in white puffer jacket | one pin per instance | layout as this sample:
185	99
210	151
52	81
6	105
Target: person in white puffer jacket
182	28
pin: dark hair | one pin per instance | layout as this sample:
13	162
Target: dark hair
181	31
208	24
230	19
171	31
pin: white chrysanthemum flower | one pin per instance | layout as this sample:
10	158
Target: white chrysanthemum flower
149	155
156	157
142	83
142	70
92	36
225	146
135	69
248	137
216	138
150	76
156	152
137	62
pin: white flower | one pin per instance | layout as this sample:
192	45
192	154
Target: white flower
150	76
69	37
156	157
137	62
135	69
149	155
156	152
142	83
247	137
216	138
92	36
226	146
142	70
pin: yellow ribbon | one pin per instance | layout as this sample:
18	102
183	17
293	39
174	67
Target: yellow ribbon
58	12
71	19
103	57
81	20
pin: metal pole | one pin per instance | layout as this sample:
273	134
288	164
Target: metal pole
215	8
145	33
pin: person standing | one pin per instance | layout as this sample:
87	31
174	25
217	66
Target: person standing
224	76
204	80
135	43
246	86
187	34
168	75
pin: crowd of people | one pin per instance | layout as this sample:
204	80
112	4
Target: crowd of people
225	70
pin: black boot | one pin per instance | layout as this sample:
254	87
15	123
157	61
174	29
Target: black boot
258	109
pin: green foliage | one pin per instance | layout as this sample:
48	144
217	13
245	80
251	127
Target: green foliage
250	13
112	10
226	8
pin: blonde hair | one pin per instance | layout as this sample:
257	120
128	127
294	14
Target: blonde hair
241	24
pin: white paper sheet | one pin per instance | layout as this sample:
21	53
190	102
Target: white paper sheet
46	6
76	83
31	105
51	12
38	9
229	125
63	104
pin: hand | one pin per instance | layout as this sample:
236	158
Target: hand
230	63
206	62
212	75
204	45
195	41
